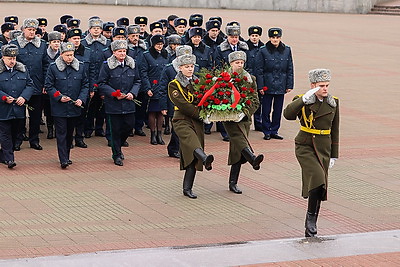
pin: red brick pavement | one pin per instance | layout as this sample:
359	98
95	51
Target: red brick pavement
95	205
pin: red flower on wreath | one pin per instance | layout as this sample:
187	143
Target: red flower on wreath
57	94
221	93
200	96
245	78
208	81
222	84
230	84
219	79
244	88
238	80
217	101
217	86
243	95
202	87
248	102
205	104
155	82
251	90
235	74
225	101
196	81
227	79
208	76
228	93
4	98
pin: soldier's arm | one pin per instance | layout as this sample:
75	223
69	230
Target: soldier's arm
292	109
335	133
189	109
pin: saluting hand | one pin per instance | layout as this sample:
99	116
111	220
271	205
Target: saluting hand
309	97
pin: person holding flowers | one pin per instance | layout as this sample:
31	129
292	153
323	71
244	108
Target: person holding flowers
119	82
240	150
187	123
16	87
68	87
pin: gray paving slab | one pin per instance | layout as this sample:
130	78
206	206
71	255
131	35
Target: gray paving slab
243	253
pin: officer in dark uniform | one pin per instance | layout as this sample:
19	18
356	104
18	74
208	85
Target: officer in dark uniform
6	28
171	28
187	123
156	28
67	86
73	23
212	37
119	72
180	25
203	53
137	45
123	22
195	20
13	20
64	18
42	26
97	43
32	53
173	41
254	44
164	24
61	28
142	22
220	34
16	87
107	29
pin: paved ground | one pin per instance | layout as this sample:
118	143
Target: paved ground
96	206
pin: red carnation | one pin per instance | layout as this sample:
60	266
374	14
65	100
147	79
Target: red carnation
225	74
208	76
244	88
200	96
196	93
57	94
202	87
230	84
221	93
265	88
245	78
235	74
238	80
4	98
117	93
196	81
243	95
96	85
228	92
251	90
217	86
225	101
217	101
223	84
208	81
155	81
227	78
205	104
219	79
211	97
248	102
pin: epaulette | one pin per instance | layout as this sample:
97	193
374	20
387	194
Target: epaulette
335	97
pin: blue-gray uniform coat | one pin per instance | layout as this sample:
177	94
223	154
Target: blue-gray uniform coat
82	54
34	56
275	68
204	55
251	56
224	49
115	77
69	80
15	84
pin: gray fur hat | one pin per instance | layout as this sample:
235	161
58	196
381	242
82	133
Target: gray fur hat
9	50
233	30
174	39
185	60
95	23
54	36
119	44
237	55
319	75
30	23
66	47
183	50
133	29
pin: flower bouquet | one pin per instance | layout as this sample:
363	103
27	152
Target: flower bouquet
223	96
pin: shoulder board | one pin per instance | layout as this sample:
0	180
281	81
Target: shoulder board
300	95
335	97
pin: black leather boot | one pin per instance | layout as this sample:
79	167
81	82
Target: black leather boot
153	139
159	139
314	204
188	180
167	129
311	224
233	178
50	132
206	159
252	159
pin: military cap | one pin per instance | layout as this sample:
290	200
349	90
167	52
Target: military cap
30	23
195	31
14	34
74	32
164	22
8	26
195	20
9	50
39	31
185	60
255	30
319	75
60	28
233	30
119	44
233	23
155	39
42	21
183	50
54	35
108	26
73	22
12	19
172	17
95	23
174	39
141	20
216	18
63	19
180	21
119	31
236	56
156	25
211	24
66	47
275	32
133	29
123	22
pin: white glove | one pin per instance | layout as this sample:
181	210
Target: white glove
309	97
332	162
240	117
207	120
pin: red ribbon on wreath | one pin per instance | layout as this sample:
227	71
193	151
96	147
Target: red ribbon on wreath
236	95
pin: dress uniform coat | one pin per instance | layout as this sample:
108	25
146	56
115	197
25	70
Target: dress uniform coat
224	49
204	55
239	131
314	151
186	121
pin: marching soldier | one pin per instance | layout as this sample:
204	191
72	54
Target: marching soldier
317	143
16	87
67	86
187	124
